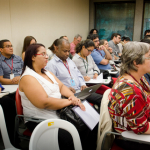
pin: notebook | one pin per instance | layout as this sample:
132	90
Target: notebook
87	91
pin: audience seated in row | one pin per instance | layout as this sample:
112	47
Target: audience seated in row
27	41
10	64
109	49
84	60
51	50
77	39
129	98
113	43
124	40
41	92
93	31
100	55
146	33
147	75
67	72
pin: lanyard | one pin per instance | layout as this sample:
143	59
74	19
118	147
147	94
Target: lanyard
9	66
86	67
99	51
67	66
146	89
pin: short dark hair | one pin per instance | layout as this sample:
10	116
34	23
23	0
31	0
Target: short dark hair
126	38
30	52
60	42
146	31
52	46
2	42
147	37
92	36
146	41
115	34
27	41
87	43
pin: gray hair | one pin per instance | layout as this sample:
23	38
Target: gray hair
101	42
61	41
78	35
133	51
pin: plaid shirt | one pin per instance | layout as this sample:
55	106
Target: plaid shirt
129	106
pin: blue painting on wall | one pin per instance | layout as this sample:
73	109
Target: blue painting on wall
146	23
114	18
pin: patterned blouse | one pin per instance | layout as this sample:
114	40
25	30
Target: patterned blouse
129	106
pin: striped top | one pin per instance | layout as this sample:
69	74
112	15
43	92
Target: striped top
129	106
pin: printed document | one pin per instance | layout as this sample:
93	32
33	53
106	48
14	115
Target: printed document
90	116
98	80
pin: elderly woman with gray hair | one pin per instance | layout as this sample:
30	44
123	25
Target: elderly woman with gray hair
129	99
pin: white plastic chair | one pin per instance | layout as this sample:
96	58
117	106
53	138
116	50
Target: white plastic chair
45	135
142	138
4	132
127	135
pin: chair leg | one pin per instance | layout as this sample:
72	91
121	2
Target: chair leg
16	130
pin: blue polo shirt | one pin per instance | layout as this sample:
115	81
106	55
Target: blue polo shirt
5	70
98	56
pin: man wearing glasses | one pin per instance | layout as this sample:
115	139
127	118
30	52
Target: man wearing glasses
115	39
100	55
10	64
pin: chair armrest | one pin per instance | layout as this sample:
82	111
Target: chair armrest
136	137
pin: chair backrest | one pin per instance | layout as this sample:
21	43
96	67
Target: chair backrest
4	132
45	135
18	103
102	89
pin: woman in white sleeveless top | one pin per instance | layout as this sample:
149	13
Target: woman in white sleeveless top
41	92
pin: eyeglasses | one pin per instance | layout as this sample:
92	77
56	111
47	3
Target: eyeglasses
43	54
96	41
146	57
8	46
90	51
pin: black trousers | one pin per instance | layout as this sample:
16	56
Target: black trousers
88	138
95	99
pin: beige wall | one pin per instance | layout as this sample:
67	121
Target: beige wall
46	20
137	20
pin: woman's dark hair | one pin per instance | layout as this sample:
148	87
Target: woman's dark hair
91	32
27	41
87	43
30	52
52	46
126	38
